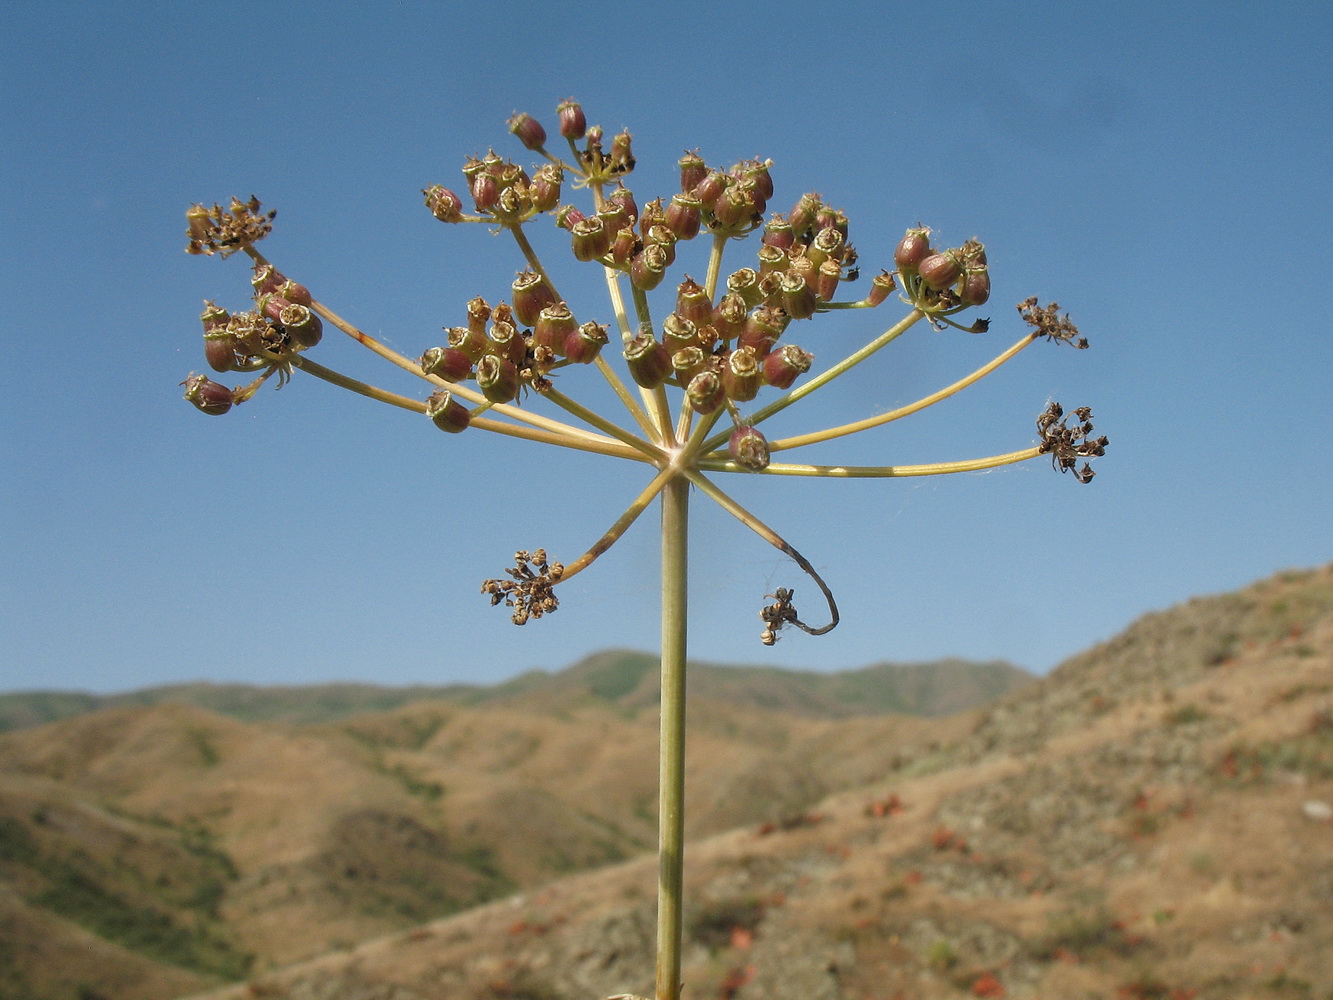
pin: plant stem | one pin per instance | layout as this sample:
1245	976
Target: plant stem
876	471
671	750
902	411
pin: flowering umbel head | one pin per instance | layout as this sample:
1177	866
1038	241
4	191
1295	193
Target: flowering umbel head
697	366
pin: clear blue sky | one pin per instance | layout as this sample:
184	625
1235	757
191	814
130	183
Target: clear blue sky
1161	169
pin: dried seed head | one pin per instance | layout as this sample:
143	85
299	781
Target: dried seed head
749	448
649	361
1050	323
573	123
443	203
528	130
447	413
448	363
783	366
208	396
912	249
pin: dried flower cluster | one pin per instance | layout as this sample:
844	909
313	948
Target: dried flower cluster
721	343
695	379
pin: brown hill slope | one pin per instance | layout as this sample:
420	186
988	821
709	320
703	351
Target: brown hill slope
1151	821
198	846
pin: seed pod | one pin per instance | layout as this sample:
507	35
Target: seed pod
975	288
778	233
497	378
528	130
208	396
940	270
295	293
505	341
449	363
443	203
784	365
471	342
826	283
688	362
692	171
553	326
740	375
590	239
545	187
478	312
648	267
679	333
745	283
649	361
692	302
729	315
798	299
684	216
447	413
303	327
710	189
584	344
912	249
880	286
772	259
531	295
749	448
573	123
705	393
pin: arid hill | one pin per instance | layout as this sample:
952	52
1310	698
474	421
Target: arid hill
1149	822
154	846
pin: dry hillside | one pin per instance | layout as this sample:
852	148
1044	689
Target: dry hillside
157	847
1150	822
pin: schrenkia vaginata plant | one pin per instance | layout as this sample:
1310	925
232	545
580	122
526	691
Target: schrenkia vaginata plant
696	373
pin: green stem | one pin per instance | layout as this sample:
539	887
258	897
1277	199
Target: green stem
856	426
671	751
714	265
822	379
876	471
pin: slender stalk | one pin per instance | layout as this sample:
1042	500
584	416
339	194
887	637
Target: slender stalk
344	382
903	411
877	471
613	533
822	379
671	773
653	452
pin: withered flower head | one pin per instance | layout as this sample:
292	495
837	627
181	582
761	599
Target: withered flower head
1049	323
224	231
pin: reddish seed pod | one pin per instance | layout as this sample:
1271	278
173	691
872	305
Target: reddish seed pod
684	216
912	249
528	130
740	375
584	344
471	341
692	302
208	396
705	393
749	448
506	342
692	171
447	413
590	239
784	365
449	363
975	288
497	378
303	327
778	233
649	267
798	298
729	315
688	362
545	187
678	332
531	295
649	361
220	350
573	123
710	189
880	286
554	326
443	203
940	270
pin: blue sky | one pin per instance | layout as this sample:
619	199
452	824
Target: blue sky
1160	169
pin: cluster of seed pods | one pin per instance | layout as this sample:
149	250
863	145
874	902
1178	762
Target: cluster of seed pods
267	337
720	344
